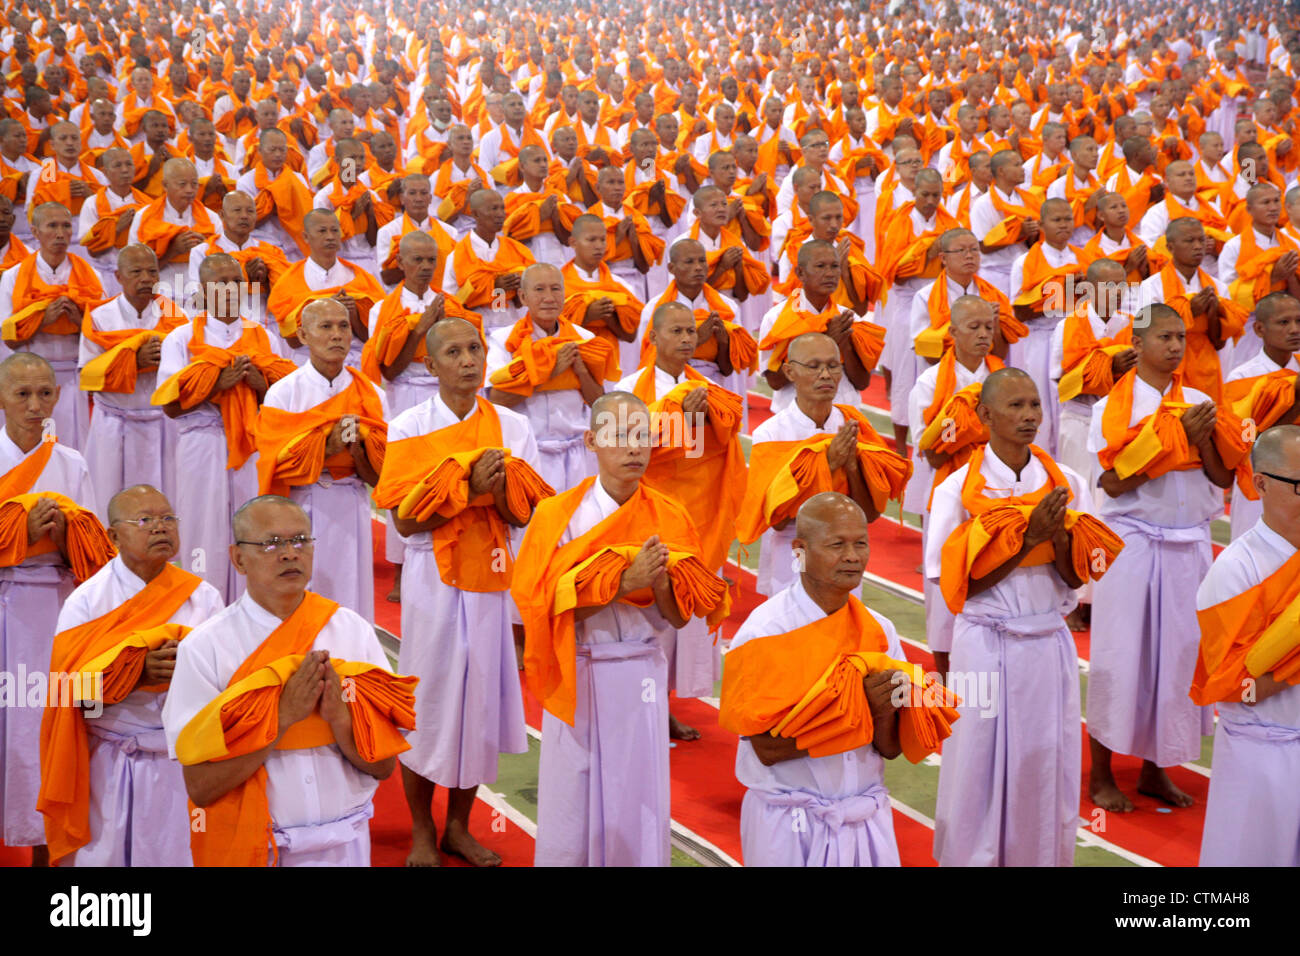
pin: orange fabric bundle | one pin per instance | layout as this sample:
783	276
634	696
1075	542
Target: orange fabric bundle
113	645
579	294
1043	284
292	444
1008	231
931	343
996	529
351	222
452	194
54	184
393	326
88	546
524	216
1261	400
952	426
475	278
156	233
238	405
901	253
1255	268
704	470
434	230
1136	194
287	197
244	718
428	475
291	294
550	655
636	196
104	235
785	474
276	264
868	338
741	347
534	360
1086	359
596	581
116	369
32	296
1254	633
616	250
757	278
807	684
1091	252
1201	369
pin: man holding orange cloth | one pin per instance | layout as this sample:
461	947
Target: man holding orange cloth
109	794
460	473
283	711
815	793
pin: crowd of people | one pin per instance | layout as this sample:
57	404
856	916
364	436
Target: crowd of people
512	284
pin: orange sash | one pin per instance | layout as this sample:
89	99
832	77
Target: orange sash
524	218
475	277
272	256
952	426
579	294
1086	359
931	343
32	295
452	193
434	230
533	360
1261	400
757	278
291	294
156	233
88	546
902	253
1255	268
394	325
741	347
116	369
1007	232
868	338
1041	281
111	649
104	235
286	197
54	184
1201	367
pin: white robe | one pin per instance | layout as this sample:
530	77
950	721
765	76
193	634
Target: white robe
813	811
339	508
139	810
1144	634
130	441
846	395
1244	512
1009	781
603	783
30	596
459	643
320	803
1251	815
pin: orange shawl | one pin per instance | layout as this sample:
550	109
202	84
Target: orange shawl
902	253
452	193
1201	367
32	296
757	277
1255	268
1086	359
475	277
429	475
868	338
533	360
651	246
272	256
286	197
1043	284
291	445
579	294
807	684
116	369
931	343
109	650
553	580
156	233
741	346
104	235
435	231
524	218
1260	400
1007	232
951	425
291	294
393	325
244	718
88	546
1091	252
54	184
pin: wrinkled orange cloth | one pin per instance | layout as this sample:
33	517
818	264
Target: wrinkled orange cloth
1256	632
580	293
1042	285
807	684
901	253
429	475
617	250
785	474
755	273
533	360
952	426
156	233
1086	359
868	339
1091	251
111	649
996	529
272	256
931	343
1255	268
284	196
116	369
524	217
452	193
53	183
238	405
702	468
244	718
88	546
550	654
475	277
1201	367
741	347
1135	190
291	445
434	230
1262	401
1014	214
393	326
104	235
291	294
32	295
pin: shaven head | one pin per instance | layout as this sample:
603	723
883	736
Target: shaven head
831	538
1277	450
142	549
24	362
619	437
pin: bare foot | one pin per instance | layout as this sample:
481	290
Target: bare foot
41	856
680	731
458	841
1075	620
1154	782
1105	794
395	595
423	850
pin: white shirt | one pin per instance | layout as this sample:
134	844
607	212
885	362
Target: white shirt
833	777
116	315
1177	499
305	387
1244	563
845	395
1056	259
1261	364
1232	252
304	787
1156	220
984	216
105	591
1025	591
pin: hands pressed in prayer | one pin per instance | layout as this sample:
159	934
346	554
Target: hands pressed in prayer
1047	518
1199	422
159	664
647	568
302	691
488	474
149	353
843	447
42	519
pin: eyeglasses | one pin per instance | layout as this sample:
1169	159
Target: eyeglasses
299	542
1293	482
965	251
909	162
818	367
149	522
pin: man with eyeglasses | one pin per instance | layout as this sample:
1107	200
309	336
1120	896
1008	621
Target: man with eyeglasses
109	794
1265	381
814	419
33	587
1246	668
296	787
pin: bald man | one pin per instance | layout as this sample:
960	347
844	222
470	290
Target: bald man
1010	627
342	415
136	812
455	606
32	590
505	140
283	192
174	224
263	262
538	214
831	809
1253	584
65	177
106	219
456	181
415	195
359	210
130	441
484	269
42	301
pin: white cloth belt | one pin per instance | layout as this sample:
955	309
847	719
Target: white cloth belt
35	574
150	415
1269	733
556	446
1034	625
147	741
1124	525
617	651
314	837
829	811
193	421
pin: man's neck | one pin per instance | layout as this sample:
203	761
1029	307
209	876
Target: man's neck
829	599
138	301
146	571
970	361
281	607
1188	272
546	326
1154	377
1288	531
330	370
534	185
50	260
818	300
1279	357
415	286
180	210
619	490
25	440
461	402
1115	233
326	263
1266	231
487	235
588	267
817	410
1012	454
962	280
670	366
711	231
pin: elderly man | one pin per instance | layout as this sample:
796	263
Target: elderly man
457	612
597	660
283	193
42	301
130	441
415	195
38	577
321	434
263	262
106	219
485	267
109	794
1253	585
307	770
174	224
